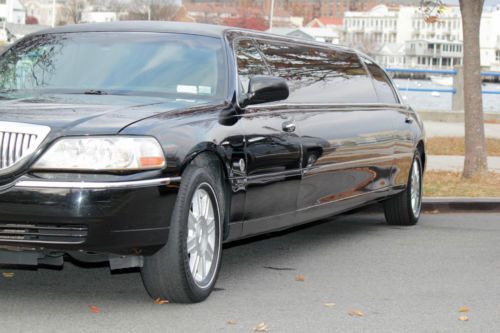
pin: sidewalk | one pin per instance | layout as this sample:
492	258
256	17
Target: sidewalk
435	128
456	163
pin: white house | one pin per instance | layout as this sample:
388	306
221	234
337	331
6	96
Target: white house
42	10
99	16
12	11
383	30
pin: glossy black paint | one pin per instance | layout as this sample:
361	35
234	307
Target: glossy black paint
284	163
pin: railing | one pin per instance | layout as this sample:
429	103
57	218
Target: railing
439	72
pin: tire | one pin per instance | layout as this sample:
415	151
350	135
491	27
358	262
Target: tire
401	209
178	272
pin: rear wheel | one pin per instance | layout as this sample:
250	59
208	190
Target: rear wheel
186	268
404	208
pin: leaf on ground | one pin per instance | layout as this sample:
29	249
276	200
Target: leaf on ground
232	322
262	327
8	275
356	313
329	305
160	301
463	318
463	309
94	309
300	278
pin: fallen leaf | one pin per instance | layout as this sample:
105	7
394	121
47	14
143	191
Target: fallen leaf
232	322
94	309
463	318
262	327
463	309
8	275
300	278
330	305
356	313
160	301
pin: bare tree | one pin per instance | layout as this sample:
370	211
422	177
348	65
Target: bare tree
73	10
475	143
155	10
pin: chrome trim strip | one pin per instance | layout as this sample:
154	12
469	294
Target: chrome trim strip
97	185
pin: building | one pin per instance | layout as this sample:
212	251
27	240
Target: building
12	11
92	16
325	35
42	11
399	36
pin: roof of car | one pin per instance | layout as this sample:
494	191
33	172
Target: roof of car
142	26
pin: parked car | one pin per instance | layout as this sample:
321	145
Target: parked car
151	144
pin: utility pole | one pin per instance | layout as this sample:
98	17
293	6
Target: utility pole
149	10
53	13
271	15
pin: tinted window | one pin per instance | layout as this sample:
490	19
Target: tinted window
319	75
121	63
250	63
385	92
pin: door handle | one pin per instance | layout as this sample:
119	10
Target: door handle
408	120
288	126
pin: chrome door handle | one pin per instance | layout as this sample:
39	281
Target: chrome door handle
288	126
408	120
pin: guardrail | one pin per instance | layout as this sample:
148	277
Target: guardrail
452	72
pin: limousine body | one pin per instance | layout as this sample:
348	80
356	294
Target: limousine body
151	144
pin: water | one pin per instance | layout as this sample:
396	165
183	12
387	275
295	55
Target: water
425	101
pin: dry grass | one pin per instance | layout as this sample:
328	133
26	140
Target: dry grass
451	184
456	146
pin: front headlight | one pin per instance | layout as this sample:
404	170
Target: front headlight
105	153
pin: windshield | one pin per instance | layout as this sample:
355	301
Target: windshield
159	64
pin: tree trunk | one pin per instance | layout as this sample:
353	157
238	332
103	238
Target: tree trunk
475	145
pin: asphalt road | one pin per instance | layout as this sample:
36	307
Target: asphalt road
402	279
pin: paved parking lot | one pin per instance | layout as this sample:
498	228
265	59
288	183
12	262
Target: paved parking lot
402	280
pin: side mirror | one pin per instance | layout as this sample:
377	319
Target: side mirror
264	89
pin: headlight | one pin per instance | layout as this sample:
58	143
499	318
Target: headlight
110	153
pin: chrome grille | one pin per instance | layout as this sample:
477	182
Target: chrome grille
18	141
42	233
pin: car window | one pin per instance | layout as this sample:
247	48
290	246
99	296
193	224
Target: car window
383	87
319	75
118	62
250	63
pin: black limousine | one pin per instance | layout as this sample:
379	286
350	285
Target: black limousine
151	144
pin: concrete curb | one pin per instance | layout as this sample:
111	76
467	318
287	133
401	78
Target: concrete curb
459	204
450	205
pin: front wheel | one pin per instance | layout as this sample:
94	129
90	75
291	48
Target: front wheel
404	208
186	268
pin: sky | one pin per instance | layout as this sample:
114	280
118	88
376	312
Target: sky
486	2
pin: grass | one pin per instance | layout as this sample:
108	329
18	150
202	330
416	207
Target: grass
456	146
451	184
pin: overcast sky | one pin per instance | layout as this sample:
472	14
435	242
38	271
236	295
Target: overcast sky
486	2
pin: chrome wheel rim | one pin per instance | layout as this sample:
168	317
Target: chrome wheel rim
201	236
415	189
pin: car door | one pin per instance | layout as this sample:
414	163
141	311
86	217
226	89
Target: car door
404	121
347	139
273	152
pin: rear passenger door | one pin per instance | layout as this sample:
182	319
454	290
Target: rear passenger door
347	138
403	120
273	152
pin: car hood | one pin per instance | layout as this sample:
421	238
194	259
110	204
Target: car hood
87	114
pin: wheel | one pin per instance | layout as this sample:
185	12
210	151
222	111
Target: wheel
404	208
186	268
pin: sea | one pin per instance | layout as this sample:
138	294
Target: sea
442	101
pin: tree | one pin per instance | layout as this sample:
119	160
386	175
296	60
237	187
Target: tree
73	10
155	10
475	143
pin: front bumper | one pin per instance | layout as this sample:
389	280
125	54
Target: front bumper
125	217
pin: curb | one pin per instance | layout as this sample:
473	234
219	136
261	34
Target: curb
450	205
454	204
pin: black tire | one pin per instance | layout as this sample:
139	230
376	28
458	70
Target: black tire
167	273
398	209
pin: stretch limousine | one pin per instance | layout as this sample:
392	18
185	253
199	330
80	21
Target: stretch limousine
151	144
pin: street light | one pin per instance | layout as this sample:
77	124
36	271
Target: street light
271	15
